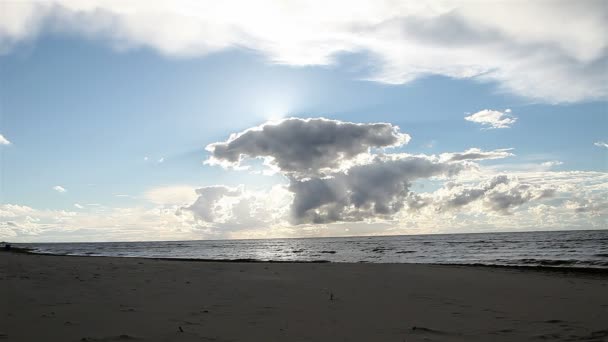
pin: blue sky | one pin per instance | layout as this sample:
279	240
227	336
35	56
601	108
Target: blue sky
97	118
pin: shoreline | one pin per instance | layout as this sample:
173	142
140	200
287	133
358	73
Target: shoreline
71	298
559	269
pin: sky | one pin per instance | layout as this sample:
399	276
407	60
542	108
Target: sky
266	119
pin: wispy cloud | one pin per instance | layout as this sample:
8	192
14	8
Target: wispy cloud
493	118
4	141
59	189
601	144
166	195
523	47
477	154
551	163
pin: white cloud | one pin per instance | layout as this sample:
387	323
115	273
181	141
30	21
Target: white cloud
492	118
523	46
78	206
59	189
601	144
207	206
24	224
171	195
551	164
576	200
4	141
161	160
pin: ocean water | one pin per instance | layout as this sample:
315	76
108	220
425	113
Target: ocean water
581	249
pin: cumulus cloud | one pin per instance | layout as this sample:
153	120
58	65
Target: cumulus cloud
523	46
305	147
372	190
601	144
501	194
330	182
238	208
593	206
4	141
559	200
377	189
492	118
206	206
476	154
59	189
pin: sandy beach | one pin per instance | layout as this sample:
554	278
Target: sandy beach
62	298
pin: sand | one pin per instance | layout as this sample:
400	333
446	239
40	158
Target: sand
62	298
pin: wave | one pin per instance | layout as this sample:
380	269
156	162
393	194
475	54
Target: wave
577	249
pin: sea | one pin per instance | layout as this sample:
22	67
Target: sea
571	249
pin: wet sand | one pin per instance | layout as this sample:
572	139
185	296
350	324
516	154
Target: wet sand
62	298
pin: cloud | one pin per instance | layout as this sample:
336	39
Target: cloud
377	189
492	118
169	195
594	206
501	194
23	223
366	189
232	209
305	147
59	189
161	160
331	182
206	206
4	141
476	154
522	46
551	163
601	144
560	200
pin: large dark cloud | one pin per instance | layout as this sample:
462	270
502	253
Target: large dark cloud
306	147
377	189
